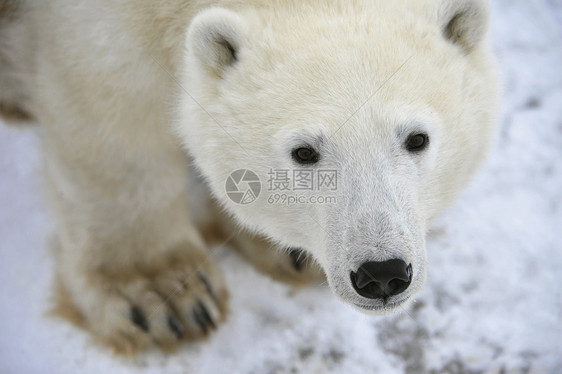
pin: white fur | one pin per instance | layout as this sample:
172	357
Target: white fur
351	77
305	70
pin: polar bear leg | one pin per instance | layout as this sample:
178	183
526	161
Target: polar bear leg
287	265
131	268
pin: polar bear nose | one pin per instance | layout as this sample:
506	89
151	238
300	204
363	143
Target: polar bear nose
379	280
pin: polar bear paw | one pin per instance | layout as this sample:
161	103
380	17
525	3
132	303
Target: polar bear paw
290	265
183	298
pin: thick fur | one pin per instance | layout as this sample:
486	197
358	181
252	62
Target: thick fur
257	78
352	79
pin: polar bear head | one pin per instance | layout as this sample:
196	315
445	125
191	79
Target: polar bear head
356	123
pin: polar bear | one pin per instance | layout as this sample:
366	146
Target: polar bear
391	103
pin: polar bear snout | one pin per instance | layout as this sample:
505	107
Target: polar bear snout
381	280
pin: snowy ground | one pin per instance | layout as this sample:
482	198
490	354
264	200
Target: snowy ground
492	303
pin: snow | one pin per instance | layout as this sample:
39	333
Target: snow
492	302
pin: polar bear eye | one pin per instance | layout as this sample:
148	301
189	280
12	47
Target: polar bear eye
305	155
417	142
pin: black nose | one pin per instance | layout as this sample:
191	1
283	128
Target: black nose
379	280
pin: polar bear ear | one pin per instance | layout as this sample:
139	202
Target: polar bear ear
464	22
215	37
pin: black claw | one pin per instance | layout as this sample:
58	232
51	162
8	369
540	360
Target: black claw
297	257
200	319
175	326
205	282
207	315
138	319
